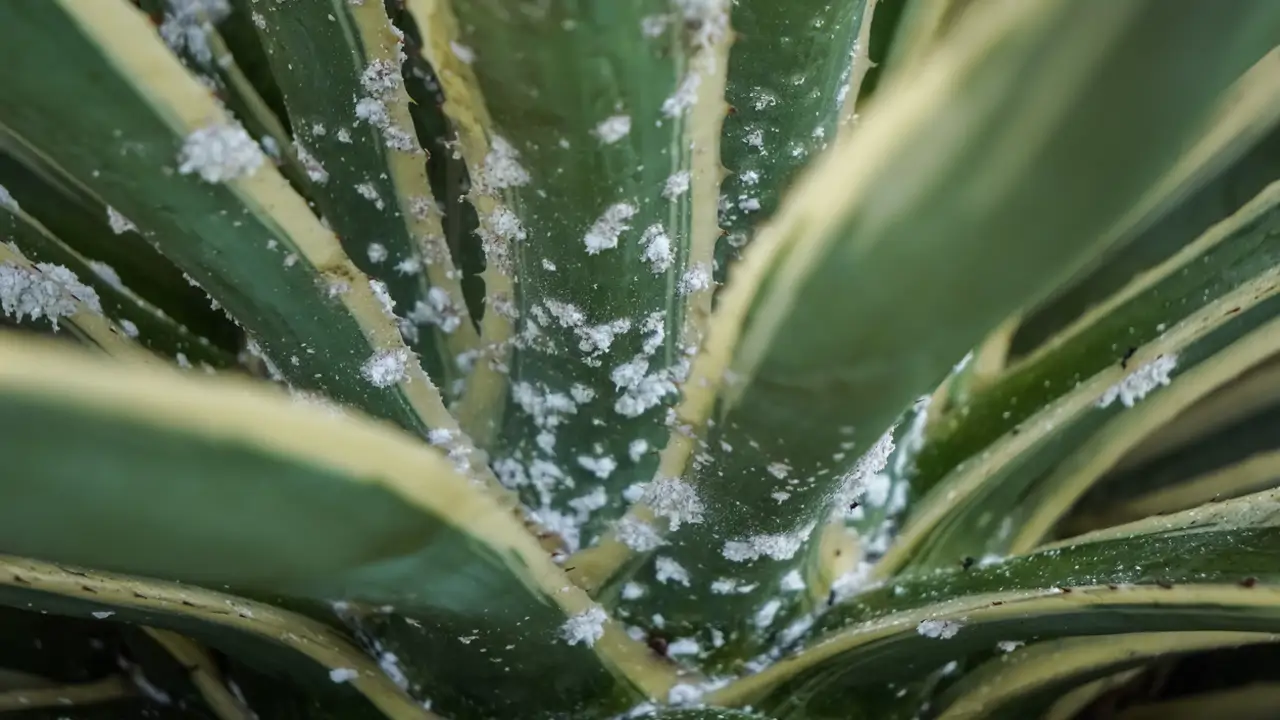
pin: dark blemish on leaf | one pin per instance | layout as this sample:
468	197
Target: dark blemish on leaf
831	598
1166	584
968	562
1128	355
1249	582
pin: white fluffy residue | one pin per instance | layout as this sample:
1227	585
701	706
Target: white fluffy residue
667	570
386	367
657	248
612	129
219	153
637	534
675	500
780	546
341	675
1141	382
119	223
940	629
586	627
44	291
502	168
603	233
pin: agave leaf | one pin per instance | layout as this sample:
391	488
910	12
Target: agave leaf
1245	120
191	31
1071	479
1240	260
1251	702
343	509
1074	701
1173	289
1194	571
1238	459
338	65
76	307
778	121
1013	509
596	198
84	223
812	401
194	182
1027	681
924	25
129	315
276	640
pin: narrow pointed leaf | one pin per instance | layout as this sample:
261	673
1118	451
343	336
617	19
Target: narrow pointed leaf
1191	572
338	65
192	180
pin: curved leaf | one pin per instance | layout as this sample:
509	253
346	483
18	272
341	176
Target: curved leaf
190	178
807	402
1227	302
1189	573
130	314
1027	681
278	497
338	66
83	223
275	640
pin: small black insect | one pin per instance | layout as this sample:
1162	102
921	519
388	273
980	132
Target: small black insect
1128	355
658	644
968	562
1249	582
831	598
854	505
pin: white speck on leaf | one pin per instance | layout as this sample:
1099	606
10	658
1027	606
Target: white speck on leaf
46	290
103	614
1009	646
637	534
7	201
119	223
586	627
612	129
677	184
675	500
464	54
667	570
502	167
603	234
386	367
1141	382
940	629
341	675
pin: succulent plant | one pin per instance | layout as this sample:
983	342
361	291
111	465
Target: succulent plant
639	358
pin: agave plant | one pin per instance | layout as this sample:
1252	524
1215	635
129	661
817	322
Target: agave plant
639	358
